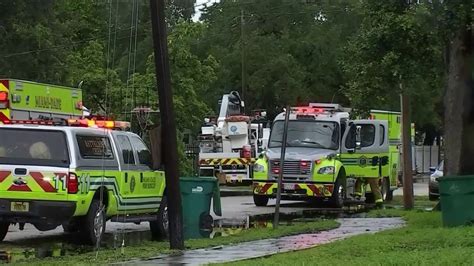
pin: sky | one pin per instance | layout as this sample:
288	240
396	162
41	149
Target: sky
199	4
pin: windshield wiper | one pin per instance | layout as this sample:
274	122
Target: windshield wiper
312	142
280	141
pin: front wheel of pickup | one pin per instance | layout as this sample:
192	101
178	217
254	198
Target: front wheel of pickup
260	200
93	226
3	230
160	228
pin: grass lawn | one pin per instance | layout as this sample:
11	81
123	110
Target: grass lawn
422	242
150	249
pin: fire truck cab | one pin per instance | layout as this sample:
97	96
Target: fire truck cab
326	152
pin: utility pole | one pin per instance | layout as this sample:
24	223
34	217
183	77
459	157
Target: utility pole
168	123
282	162
242	52
408	200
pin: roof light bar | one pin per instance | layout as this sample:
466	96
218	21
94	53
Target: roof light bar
307	110
73	123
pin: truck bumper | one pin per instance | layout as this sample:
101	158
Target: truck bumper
38	211
294	190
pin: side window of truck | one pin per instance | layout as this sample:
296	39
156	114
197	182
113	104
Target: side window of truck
367	135
144	155
94	147
127	151
382	135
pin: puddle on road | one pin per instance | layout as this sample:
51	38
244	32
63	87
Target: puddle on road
68	245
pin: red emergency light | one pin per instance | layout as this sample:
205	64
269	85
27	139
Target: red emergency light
4	101
308	110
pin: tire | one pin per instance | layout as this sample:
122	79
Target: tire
337	198
93	227
3	230
387	194
160	228
260	200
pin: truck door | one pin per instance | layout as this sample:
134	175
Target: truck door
129	175
150	182
370	157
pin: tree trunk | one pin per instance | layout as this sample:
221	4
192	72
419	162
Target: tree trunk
459	103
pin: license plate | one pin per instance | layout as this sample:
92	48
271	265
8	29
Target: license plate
289	186
20	206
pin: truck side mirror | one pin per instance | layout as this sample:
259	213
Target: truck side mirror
351	144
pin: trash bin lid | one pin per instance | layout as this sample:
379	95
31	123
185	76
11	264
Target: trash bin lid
456	178
198	179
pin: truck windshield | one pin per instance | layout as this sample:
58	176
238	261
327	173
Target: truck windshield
33	147
307	134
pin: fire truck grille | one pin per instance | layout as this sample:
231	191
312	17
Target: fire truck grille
292	170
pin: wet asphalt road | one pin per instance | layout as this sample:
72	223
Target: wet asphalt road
232	207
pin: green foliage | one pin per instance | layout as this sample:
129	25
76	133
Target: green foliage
423	241
290	50
348	51
397	45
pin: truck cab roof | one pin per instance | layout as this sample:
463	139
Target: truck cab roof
321	116
71	143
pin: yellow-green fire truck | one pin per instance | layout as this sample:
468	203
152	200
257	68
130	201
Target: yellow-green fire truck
326	152
26	100
78	173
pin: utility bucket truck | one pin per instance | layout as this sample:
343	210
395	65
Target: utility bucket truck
228	145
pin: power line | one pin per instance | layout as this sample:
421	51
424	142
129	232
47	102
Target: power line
61	46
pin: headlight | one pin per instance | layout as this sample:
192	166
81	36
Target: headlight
327	170
258	168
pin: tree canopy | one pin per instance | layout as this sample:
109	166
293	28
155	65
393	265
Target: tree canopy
275	52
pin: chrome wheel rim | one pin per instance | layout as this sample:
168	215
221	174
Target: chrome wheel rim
340	194
165	219
98	224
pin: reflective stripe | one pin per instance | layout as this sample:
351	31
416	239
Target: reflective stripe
227	161
124	203
379	201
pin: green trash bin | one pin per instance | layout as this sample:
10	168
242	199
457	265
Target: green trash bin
197	193
457	200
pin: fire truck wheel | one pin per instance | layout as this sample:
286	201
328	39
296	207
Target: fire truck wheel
260	200
160	228
337	198
3	230
93	227
387	194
